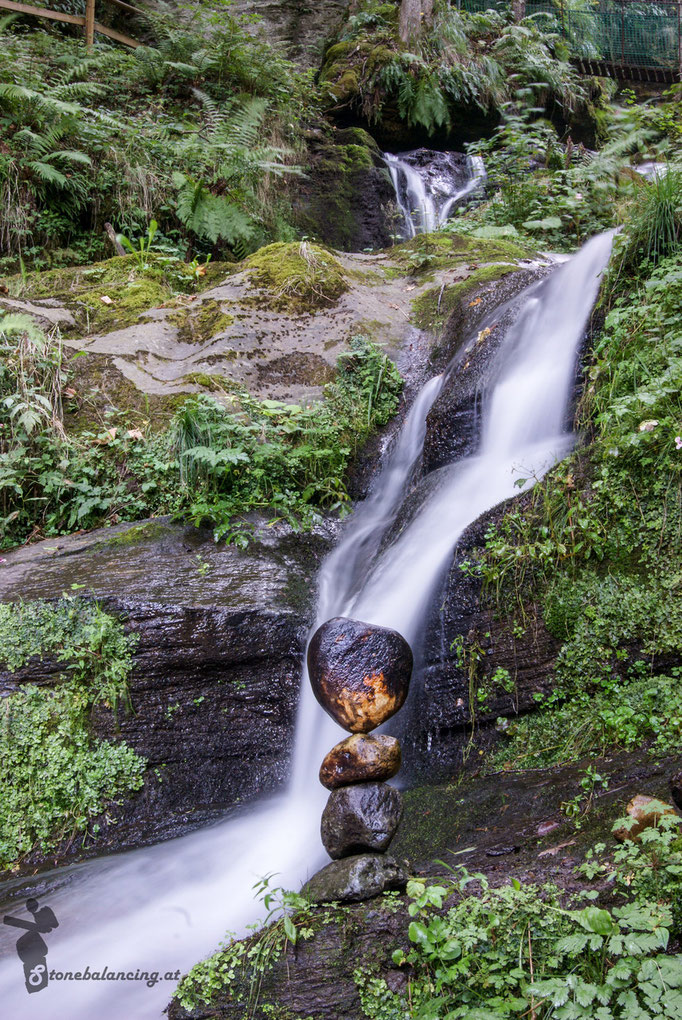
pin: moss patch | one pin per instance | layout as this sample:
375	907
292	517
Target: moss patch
131	289
99	387
432	309
55	777
303	277
201	324
426	253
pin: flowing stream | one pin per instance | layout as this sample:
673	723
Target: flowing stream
428	191
161	909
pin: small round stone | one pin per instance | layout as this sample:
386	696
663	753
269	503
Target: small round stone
359	673
361	758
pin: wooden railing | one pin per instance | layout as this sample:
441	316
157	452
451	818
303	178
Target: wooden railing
87	20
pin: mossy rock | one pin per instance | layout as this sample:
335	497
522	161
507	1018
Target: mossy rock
198	325
442	250
434	306
129	288
101	388
303	277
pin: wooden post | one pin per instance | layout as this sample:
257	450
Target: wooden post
89	23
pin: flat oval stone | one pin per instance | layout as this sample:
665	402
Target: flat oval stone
360	818
355	878
359	673
361	758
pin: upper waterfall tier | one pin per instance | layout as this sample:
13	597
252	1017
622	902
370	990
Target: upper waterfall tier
429	185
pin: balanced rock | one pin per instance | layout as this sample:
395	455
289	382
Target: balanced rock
359	673
355	878
359	818
645	813
361	758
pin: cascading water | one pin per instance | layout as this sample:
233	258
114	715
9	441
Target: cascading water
162	908
429	186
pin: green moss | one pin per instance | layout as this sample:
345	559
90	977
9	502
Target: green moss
101	387
131	290
147	532
201	324
212	383
442	250
432	308
303	277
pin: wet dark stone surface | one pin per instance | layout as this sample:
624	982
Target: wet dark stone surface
359	673
216	675
360	817
356	878
472	336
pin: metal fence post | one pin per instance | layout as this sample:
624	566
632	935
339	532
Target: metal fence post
622	32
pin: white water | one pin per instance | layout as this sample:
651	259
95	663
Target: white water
163	908
423	210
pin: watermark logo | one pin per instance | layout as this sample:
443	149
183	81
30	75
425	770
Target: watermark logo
31	947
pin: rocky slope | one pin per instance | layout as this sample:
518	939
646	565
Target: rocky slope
214	688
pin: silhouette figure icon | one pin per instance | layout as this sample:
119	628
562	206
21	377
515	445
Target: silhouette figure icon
31	947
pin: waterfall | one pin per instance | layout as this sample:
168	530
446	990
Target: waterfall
161	908
430	185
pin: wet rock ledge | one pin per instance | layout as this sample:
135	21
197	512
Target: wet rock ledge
214	687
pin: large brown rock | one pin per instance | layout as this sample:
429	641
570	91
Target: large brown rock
360	818
646	813
361	758
359	673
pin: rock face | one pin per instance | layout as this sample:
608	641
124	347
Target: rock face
300	29
360	759
216	673
346	197
354	879
361	817
471	339
676	789
359	673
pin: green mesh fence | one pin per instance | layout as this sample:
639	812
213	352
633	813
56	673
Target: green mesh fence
643	34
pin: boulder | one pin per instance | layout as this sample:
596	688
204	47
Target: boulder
645	812
216	673
359	818
360	673
360	759
355	878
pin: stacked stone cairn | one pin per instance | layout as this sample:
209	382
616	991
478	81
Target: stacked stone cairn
360	674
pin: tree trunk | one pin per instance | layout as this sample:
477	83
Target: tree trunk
413	15
519	9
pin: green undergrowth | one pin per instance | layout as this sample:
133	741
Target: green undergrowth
596	544
470	950
56	777
199	130
213	461
457	66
